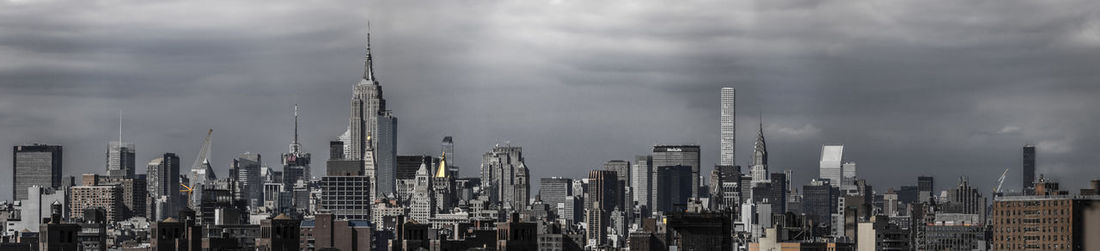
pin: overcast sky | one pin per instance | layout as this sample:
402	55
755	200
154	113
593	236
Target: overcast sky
942	87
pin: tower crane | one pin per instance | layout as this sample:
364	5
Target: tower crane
1000	182
200	171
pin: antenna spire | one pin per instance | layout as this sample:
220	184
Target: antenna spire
120	128
295	146
368	71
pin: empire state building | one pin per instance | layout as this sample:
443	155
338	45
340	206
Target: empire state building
370	123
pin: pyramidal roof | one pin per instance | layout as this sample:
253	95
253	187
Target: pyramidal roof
441	172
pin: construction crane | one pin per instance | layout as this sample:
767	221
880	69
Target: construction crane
203	151
186	189
200	171
1000	182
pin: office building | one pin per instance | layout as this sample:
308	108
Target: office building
1029	169
120	159
819	201
505	176
407	165
422	203
35	165
602	198
346	197
622	170
679	155
672	188
246	173
725	187
448	146
831	157
163	174
926	184
554	191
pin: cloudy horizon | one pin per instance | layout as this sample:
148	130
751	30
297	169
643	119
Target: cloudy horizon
941	88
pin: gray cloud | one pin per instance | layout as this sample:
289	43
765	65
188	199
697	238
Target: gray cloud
912	88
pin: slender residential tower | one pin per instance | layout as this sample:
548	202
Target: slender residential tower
729	128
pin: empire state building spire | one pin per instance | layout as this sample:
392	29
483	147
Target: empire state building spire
368	67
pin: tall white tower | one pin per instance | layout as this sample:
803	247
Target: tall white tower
729	128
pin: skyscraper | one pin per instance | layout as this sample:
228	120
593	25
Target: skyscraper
926	184
671	188
642	180
120	156
246	173
35	165
448	146
759	170
295	163
831	156
370	122
163	181
679	155
1029	169
727	157
726	187
622	170
819	200
422	203
602	198
505	176
553	191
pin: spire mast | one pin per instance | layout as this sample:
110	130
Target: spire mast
120	128
368	71
294	146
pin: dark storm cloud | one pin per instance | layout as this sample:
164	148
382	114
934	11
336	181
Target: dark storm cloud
947	88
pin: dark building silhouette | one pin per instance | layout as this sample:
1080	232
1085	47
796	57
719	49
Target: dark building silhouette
175	235
819	201
281	233
35	165
1029	169
516	235
673	188
700	231
326	232
57	236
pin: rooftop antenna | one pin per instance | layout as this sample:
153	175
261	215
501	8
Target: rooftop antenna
295	146
120	128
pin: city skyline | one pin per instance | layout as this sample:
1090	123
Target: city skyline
938	118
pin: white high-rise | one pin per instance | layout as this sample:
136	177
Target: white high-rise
727	156
831	157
